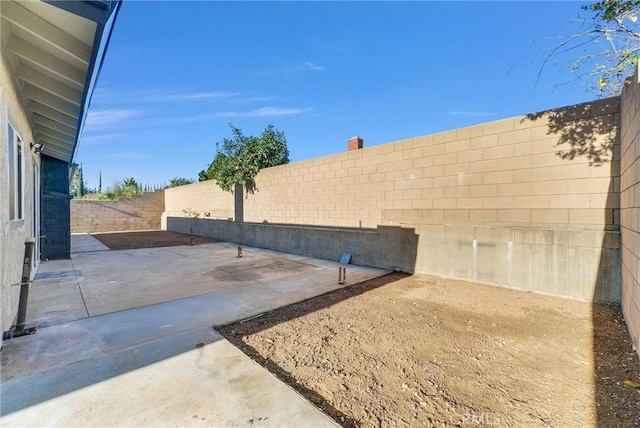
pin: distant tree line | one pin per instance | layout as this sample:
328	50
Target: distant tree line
126	188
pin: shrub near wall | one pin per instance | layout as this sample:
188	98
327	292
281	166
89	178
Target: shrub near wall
141	212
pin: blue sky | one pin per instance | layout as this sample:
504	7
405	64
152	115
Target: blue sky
177	73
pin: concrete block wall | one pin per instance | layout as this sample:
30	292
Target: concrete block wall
530	202
141	212
523	171
553	169
205	197
630	206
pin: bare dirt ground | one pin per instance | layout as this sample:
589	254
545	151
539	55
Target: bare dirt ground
424	351
147	239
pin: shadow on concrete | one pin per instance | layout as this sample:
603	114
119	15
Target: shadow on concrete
30	390
63	358
590	132
235	333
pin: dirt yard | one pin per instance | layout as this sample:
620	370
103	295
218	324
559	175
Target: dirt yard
147	239
423	351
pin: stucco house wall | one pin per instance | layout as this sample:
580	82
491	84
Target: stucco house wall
50	59
14	232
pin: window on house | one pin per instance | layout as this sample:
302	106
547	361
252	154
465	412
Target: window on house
16	174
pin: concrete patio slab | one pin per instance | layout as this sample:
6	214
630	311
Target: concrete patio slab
192	379
83	242
55	295
77	371
117	280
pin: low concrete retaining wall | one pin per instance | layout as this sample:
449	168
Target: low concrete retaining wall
578	264
142	212
385	247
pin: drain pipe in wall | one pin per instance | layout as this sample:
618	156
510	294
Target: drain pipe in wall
19	329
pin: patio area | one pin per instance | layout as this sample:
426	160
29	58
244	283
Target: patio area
124	338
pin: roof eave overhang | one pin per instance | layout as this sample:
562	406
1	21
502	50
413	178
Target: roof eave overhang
104	14
97	11
105	20
56	51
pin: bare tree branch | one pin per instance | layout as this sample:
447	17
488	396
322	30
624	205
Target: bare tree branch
614	22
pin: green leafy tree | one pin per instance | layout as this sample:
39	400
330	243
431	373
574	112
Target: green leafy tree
130	182
607	47
239	159
179	181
